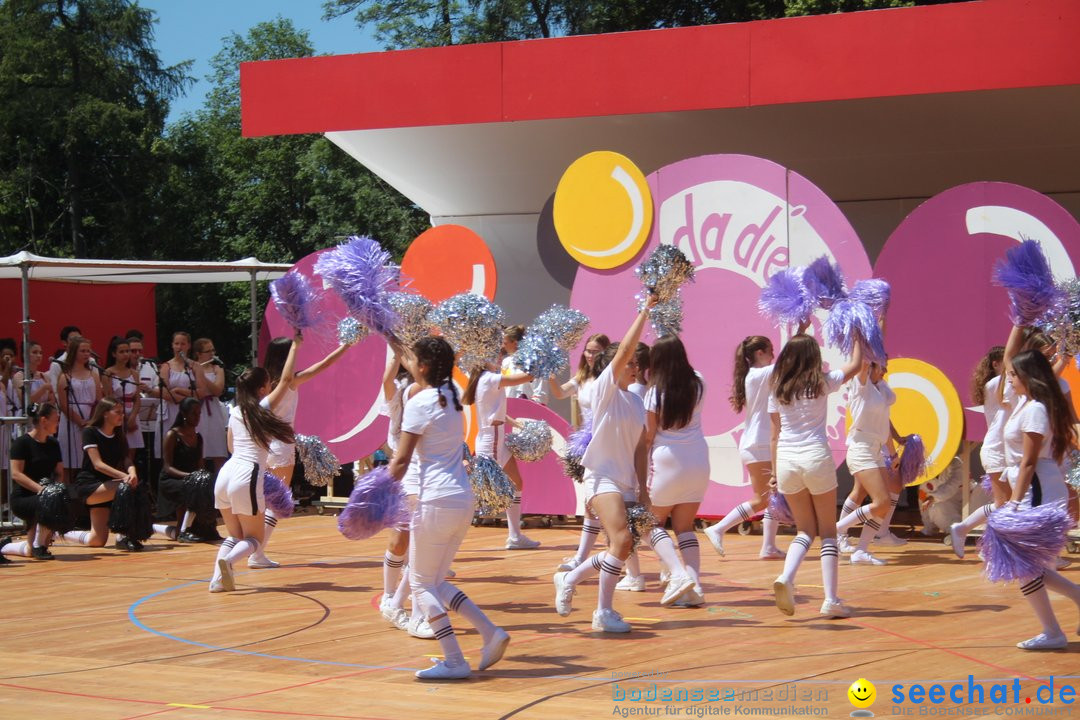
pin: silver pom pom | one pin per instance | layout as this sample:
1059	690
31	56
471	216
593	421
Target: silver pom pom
493	489
1062	320
563	326
665	270
473	326
666	317
540	356
531	442
412	311
1072	469
321	466
350	331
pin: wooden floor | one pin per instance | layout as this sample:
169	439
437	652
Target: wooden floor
102	634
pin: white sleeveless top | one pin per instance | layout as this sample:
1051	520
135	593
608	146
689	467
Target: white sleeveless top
244	445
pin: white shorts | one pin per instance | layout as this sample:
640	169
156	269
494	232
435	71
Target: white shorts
864	456
992	458
680	474
598	486
1052	485
756	454
239	487
805	468
491	442
281	454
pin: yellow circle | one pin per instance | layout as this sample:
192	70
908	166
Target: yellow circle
603	210
862	693
927	404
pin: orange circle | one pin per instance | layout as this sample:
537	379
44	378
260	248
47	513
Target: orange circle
449	259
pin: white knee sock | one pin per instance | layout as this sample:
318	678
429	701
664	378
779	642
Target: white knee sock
665	550
632	565
77	537
513	518
41	536
189	517
886	524
848	508
870	529
691	555
391	572
590	530
1035	593
769	526
270	521
242	549
976	518
1061	585
795	554
17	549
859	517
742	512
830	567
444	633
402	591
166	531
224	549
610	570
587	569
460	603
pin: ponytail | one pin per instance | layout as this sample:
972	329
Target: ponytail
474	380
983	372
263	425
437	357
744	355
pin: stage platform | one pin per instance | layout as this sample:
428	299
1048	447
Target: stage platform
104	634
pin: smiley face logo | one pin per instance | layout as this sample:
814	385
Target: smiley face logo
862	693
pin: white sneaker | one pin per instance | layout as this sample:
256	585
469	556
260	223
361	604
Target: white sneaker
564	594
521	543
861	557
441	671
694	597
261	562
216	586
784	591
665	577
228	583
958	536
633	584
419	628
1042	641
846	546
889	540
835	609
716	538
494	649
609	621
677	587
772	554
568	564
392	614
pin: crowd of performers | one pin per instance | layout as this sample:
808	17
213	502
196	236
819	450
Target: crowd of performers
645	456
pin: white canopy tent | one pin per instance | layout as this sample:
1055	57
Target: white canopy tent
28	266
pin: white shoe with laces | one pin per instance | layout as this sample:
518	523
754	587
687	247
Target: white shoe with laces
889	540
216	586
568	564
772	554
678	586
784	592
439	670
835	609
665	577
632	584
694	597
564	594
261	562
228	583
494	649
522	543
1042	641
861	557
606	620
419	628
846	546
716	538
957	534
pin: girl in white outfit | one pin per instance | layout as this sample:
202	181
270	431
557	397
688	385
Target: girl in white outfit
282	458
238	490
536	390
750	392
78	390
486	390
212	419
432	430
805	473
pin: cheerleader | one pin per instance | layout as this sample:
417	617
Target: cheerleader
486	390
1037	435
577	389
634	580
798	405
78	389
680	459
615	473
183	455
238	490
534	390
121	383
282	458
432	431
750	392
212	418
869	400
35	459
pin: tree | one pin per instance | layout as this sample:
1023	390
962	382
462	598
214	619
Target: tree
83	100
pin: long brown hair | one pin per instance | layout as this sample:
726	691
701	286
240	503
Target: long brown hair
984	371
744	356
797	372
678	387
474	380
263	425
584	372
74	342
437	358
1034	370
97	419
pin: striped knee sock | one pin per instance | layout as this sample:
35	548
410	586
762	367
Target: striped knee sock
976	518
513	517
664	548
242	549
769	527
886	524
848	508
77	537
795	554
610	569
444	633
16	549
870	529
270	521
859	517
743	512
224	549
691	555
830	567
587	569
1036	595
460	603
391	572
590	530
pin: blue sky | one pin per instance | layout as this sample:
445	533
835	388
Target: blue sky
193	30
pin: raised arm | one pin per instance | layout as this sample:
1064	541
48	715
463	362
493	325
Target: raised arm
405	356
854	363
287	371
628	346
308	373
514	379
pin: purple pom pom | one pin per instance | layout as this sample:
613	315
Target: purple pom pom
912	460
296	300
1025	273
875	293
851	321
987	485
785	298
375	503
278	495
1021	543
578	441
824	282
779	509
361	273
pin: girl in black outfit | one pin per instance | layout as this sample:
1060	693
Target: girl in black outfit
35	458
183	455
104	467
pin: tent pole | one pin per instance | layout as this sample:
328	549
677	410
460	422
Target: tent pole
254	323
26	321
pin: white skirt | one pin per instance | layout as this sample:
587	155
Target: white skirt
680	474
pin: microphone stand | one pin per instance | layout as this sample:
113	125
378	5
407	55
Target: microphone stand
123	396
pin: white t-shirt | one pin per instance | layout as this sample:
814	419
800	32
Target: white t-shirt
244	445
286	409
584	399
618	419
1029	416
869	405
639	390
439	450
393	408
490	400
758	431
536	390
148	376
803	421
996	410
691	432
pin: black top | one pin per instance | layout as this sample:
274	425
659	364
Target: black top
187	459
113	451
39	458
